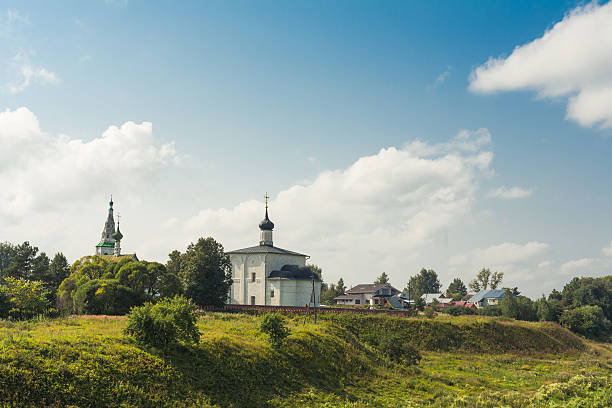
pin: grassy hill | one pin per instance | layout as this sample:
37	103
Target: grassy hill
467	361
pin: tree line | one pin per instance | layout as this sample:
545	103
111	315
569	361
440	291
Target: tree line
31	284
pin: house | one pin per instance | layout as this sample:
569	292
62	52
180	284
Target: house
487	297
268	275
367	294
461	303
438	297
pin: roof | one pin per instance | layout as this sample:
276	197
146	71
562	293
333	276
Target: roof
106	245
428	297
294	272
265	249
395	303
346	297
369	287
266	224
119	258
487	294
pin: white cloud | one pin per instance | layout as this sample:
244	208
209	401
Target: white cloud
607	251
576	266
14	16
29	74
39	171
573	59
501	256
443	77
510	192
372	216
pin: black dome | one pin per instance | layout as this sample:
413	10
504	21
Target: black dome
295	272
266	224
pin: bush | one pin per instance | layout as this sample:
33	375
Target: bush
23	299
164	324
397	349
459	310
430	312
586	320
273	324
490	311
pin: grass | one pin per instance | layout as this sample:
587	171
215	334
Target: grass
467	361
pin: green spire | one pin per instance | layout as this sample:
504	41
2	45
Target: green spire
111	202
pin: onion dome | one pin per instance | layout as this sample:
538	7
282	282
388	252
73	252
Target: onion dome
266	224
117	235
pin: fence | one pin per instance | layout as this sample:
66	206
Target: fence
255	309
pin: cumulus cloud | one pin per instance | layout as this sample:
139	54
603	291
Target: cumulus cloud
607	251
573	59
38	170
371	216
577	265
506	256
509	193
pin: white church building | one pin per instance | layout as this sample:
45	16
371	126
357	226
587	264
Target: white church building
268	275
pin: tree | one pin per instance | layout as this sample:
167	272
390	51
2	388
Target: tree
316	269
205	271
586	320
328	294
383	278
26	298
456	289
485	280
426	281
508	305
27	264
7	253
340	287
58	269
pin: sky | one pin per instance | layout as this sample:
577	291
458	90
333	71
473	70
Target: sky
390	135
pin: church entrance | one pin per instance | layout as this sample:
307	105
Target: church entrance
253	300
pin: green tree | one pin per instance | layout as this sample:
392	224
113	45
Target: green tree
328	294
456	289
586	320
205	272
274	325
589	292
383	278
26	298
486	280
426	281
59	269
26	263
316	269
509	306
340	287
7	253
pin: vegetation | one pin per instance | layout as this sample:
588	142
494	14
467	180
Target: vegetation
273	324
22	299
426	281
383	278
164	324
111	286
456	289
486	280
204	270
87	361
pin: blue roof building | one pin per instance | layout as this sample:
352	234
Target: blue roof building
487	297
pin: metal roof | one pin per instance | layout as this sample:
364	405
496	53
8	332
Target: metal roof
487	294
294	272
265	249
369	288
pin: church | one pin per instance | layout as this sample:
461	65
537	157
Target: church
110	243
269	275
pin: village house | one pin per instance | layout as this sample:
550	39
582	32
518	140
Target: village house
438	297
367	294
487	297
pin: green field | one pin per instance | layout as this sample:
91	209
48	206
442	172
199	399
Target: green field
468	361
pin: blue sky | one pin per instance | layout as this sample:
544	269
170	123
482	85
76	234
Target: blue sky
277	96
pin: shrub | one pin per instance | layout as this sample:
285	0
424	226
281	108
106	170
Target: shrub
397	349
490	311
430	312
164	324
273	324
586	320
23	298
459	310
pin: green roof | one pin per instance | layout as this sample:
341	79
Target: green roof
106	245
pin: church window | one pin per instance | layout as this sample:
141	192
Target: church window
357	301
253	277
252	300
272	293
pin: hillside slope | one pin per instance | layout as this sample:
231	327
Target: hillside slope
87	362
